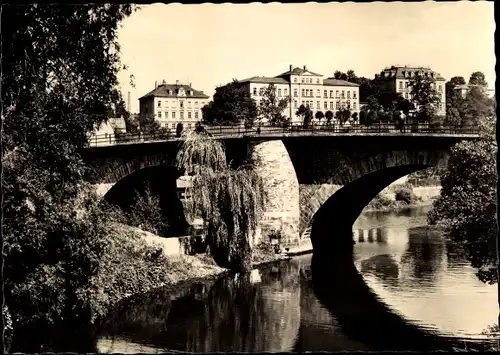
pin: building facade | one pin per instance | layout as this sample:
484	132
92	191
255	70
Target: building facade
398	79
464	89
171	104
304	87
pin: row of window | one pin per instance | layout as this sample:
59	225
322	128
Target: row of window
343	93
262	90
406	85
174	125
181	103
306	80
338	105
189	115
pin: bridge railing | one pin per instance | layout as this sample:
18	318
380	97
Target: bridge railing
290	130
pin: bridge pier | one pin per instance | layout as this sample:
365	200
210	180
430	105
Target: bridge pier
282	211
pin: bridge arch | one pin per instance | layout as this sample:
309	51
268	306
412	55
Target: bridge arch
345	206
162	181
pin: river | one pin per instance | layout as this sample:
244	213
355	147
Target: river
405	288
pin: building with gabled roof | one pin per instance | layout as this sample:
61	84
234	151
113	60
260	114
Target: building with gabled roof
171	104
398	79
305	87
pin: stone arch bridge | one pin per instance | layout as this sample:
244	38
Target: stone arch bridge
362	164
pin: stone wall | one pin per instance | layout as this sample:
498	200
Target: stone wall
282	212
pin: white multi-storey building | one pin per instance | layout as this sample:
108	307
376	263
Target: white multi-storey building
171	104
398	79
304	87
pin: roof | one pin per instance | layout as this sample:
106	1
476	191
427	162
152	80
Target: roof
400	71
298	71
162	91
337	82
264	80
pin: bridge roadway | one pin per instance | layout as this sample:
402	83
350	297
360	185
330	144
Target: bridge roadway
269	132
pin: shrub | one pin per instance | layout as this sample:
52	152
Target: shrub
146	213
405	194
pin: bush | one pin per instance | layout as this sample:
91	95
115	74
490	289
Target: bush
146	213
380	202
405	194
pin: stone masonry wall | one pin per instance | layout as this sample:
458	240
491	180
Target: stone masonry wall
282	211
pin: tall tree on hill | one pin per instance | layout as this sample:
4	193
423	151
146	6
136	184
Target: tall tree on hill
232	105
271	106
478	78
59	81
454	101
306	114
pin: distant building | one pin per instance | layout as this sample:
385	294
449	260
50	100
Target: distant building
307	88
464	89
171	104
398	78
105	133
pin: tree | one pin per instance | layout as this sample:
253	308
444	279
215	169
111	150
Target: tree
306	114
424	96
271	107
179	129
346	114
230	201
451	84
59	82
339	75
478	78
468	201
355	116
231	105
319	115
363	117
329	116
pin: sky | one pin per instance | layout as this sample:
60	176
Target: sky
210	44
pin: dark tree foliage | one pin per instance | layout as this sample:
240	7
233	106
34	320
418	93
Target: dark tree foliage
424	96
271	106
467	206
231	105
478	78
329	116
306	114
59	65
319	115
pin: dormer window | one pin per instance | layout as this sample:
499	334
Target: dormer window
294	80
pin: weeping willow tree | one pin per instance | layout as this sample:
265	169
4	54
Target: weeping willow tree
230	201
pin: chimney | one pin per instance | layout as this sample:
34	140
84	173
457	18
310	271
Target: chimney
164	82
177	82
190	85
291	67
156	84
305	68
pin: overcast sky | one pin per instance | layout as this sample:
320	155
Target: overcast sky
209	44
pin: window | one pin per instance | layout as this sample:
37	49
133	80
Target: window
326	93
336	94
440	87
303	92
294	80
166	114
295	103
307	103
317	81
354	94
255	91
326	105
261	91
189	103
182	115
182	104
196	115
189	125
406	85
349	95
310	81
318	105
337	105
173	125
279	92
343	94
302	80
400	84
285	92
196	104
159	114
331	93
318	93
406	95
331	105
295	94
189	115
159	103
354	105
173	115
